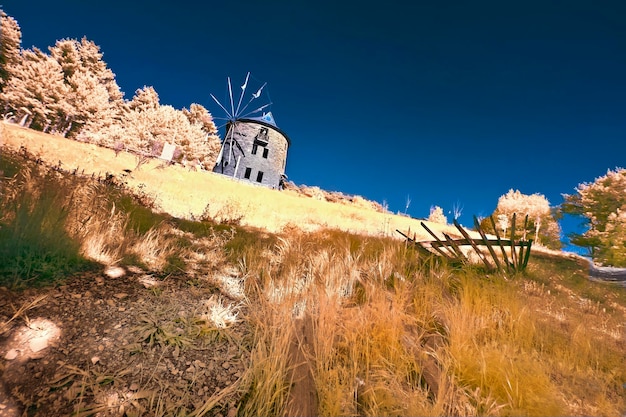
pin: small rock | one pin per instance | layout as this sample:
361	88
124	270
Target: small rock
100	348
77	295
11	354
114	272
99	280
134	386
134	269
121	309
95	359
37	344
226	365
121	295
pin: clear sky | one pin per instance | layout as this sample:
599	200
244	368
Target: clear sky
446	102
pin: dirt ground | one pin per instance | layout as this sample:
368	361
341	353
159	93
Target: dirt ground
114	343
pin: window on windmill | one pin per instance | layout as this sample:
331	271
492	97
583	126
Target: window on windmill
265	152
247	174
255	148
262	137
259	176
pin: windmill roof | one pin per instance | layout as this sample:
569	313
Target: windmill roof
267	118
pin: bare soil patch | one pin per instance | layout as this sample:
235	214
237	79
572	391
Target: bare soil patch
114	346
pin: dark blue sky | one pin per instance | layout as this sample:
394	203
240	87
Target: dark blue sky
449	102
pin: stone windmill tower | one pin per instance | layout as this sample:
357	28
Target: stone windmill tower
254	149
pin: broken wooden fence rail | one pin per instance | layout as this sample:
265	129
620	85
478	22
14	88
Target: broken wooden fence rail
450	248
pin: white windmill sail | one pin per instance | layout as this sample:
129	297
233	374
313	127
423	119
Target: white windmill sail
237	166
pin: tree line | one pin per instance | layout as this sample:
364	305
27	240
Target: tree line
70	91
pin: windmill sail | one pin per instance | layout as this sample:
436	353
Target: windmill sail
243	91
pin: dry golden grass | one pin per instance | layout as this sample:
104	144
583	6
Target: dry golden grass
393	337
184	193
345	324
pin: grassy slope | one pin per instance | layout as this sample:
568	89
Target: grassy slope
182	193
380	330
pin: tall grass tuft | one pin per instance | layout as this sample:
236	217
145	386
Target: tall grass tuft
35	247
53	225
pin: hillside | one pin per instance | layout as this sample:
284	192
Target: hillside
182	192
111	308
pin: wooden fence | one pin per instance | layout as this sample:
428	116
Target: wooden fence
451	249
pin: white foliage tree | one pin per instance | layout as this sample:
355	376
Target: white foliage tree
602	204
36	91
503	223
540	215
94	96
148	126
145	98
437	216
10	46
198	114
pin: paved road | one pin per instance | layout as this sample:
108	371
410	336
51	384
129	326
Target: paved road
607	273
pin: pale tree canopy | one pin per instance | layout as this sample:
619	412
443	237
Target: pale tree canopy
436	215
145	98
85	57
36	92
90	101
93	95
10	46
147	131
199	114
542	225
534	205
602	205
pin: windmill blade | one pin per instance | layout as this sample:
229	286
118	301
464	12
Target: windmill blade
220	104
231	139
221	126
257	110
230	93
254	97
246	106
243	91
258	93
237	166
221	154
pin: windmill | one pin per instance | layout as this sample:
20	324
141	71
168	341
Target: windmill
253	149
